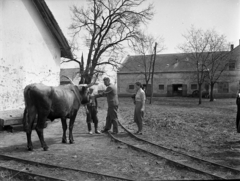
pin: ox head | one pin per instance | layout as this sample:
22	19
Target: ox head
83	90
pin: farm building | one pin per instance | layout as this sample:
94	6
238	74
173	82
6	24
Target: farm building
173	76
31	46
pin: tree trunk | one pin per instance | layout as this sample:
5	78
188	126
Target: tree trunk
146	88
200	93
211	92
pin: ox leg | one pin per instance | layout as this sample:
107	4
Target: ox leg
72	120
28	122
64	127
41	138
29	141
39	129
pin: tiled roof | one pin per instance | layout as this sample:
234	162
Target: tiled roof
177	62
163	63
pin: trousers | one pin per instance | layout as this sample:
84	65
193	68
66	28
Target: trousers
92	117
112	118
138	115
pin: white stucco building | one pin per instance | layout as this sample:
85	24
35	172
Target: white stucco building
31	46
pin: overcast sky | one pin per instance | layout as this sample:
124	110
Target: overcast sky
172	18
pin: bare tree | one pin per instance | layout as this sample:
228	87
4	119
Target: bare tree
205	49
217	62
196	46
146	46
106	26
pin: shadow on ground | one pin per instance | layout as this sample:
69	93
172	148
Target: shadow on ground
21	148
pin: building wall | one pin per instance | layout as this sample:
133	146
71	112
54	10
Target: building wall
1	37
233	80
124	80
30	54
230	77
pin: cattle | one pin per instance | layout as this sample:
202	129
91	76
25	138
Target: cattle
47	102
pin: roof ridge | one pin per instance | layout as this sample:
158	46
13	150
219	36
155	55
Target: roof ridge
54	28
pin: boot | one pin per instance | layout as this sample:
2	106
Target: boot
89	128
96	128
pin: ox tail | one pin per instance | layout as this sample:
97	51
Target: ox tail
30	112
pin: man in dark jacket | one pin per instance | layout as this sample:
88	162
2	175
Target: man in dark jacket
112	100
238	112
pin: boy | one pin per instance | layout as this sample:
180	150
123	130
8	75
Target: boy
92	113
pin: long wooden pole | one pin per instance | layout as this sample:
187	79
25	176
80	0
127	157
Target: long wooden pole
153	65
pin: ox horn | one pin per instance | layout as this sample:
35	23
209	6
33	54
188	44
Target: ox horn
83	85
69	79
91	84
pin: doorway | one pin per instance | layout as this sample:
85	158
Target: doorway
177	90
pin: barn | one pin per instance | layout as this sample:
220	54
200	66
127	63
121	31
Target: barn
31	47
174	75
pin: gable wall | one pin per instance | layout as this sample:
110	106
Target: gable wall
30	54
1	30
236	57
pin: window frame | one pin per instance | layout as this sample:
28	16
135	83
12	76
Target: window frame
162	85
230	67
193	88
223	87
129	87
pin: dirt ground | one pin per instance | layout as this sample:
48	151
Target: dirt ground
207	130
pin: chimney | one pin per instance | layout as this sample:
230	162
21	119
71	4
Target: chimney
232	47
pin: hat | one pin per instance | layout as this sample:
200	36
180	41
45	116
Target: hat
139	84
106	78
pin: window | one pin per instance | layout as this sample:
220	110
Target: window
231	66
193	86
131	87
223	87
161	87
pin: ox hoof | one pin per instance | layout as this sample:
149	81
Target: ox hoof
71	141
64	141
45	148
30	149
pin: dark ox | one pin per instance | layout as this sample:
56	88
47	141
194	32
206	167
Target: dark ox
46	102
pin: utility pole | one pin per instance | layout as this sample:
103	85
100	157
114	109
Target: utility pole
153	65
